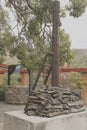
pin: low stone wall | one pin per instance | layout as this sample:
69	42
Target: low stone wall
16	95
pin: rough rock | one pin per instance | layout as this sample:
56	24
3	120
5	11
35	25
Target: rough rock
54	101
16	95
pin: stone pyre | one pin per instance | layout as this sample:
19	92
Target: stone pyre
54	101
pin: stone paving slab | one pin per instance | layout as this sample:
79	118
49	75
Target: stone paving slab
8	107
1	126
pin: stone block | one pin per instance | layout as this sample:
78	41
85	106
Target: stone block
17	120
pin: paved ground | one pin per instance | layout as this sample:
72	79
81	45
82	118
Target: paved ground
7	107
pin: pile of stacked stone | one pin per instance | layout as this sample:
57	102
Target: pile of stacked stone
16	95
54	101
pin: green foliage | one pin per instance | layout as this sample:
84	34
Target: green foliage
77	7
3	88
80	58
3	20
30	59
15	79
74	81
14	82
35	39
80	63
6	43
2	93
35	21
1	59
65	52
6	38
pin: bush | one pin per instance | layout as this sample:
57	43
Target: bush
15	77
3	88
73	80
2	93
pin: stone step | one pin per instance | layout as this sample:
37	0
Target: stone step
1	126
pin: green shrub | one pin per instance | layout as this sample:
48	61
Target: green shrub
15	79
2	92
73	80
3	88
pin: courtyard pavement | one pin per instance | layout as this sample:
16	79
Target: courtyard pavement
7	107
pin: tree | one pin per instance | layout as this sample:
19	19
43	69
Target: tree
6	38
76	7
35	22
66	55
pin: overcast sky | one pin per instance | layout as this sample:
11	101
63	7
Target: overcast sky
76	27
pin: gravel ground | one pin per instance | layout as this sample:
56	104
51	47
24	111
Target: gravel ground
7	107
